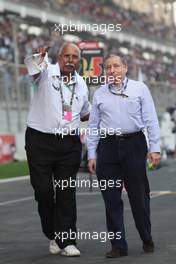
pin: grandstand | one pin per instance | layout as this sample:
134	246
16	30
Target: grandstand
147	39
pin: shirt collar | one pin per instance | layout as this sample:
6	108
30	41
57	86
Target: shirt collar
74	79
125	80
121	91
56	72
122	86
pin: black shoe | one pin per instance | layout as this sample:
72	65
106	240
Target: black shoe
116	253
148	246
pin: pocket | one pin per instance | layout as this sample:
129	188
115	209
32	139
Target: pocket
142	144
77	104
76	139
98	146
106	151
133	105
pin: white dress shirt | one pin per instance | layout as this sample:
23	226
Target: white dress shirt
45	113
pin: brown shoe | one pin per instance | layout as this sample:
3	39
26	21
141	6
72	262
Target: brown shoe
116	253
148	246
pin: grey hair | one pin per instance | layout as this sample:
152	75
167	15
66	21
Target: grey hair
65	45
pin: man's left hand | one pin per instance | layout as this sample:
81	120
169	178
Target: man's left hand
154	158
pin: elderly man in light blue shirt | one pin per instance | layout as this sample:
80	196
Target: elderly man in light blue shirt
121	110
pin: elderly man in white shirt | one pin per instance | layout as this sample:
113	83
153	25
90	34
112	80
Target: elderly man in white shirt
53	145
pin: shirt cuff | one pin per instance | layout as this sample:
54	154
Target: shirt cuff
36	64
92	154
155	148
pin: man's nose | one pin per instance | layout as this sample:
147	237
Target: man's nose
112	70
70	58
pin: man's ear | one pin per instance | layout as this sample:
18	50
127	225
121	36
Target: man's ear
60	61
59	57
126	68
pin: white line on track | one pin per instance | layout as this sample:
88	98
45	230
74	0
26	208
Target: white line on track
16	200
21	178
154	194
31	198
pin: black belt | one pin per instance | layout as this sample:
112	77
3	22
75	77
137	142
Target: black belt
58	135
124	136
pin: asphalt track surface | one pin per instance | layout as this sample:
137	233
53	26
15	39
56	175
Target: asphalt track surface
22	242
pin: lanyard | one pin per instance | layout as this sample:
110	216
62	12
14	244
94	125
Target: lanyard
119	93
72	95
59	88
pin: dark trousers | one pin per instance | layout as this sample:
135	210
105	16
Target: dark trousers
125	159
52	159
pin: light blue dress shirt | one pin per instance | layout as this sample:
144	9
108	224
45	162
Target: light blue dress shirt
116	114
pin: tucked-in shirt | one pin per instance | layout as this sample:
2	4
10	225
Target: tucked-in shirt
46	111
123	115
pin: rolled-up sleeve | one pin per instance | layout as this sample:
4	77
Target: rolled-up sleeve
93	136
150	120
34	66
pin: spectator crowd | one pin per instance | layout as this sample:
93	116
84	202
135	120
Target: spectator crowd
154	65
